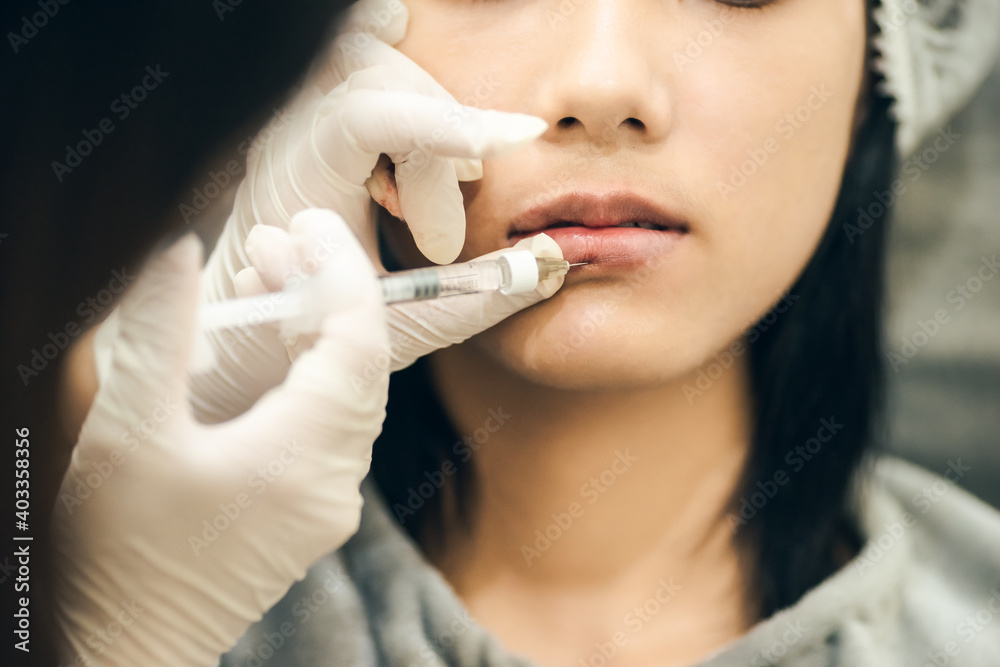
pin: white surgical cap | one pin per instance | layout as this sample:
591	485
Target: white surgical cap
933	55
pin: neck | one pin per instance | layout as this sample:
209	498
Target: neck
590	504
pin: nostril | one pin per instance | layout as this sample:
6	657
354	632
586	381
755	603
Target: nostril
634	122
567	122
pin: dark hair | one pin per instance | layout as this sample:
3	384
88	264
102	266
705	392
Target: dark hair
217	68
819	360
822	360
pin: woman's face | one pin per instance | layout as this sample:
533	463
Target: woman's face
727	127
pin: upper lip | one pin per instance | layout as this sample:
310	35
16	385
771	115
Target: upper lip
590	209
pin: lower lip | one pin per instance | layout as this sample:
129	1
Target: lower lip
612	246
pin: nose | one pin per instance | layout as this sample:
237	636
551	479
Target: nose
605	85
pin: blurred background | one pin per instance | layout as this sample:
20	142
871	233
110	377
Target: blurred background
944	404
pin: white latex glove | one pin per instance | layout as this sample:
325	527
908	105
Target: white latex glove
381	103
414	328
171	537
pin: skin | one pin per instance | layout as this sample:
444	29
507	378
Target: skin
592	69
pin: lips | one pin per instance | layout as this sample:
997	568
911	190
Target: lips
603	229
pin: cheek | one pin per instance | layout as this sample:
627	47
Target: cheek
460	45
766	127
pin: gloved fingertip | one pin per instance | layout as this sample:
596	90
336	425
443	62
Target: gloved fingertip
547	288
272	253
393	32
543	245
263	236
332	239
252	239
503	132
386	20
320	234
468	169
343	277
248	283
437	247
524	127
433	208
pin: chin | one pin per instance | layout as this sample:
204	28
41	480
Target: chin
574	343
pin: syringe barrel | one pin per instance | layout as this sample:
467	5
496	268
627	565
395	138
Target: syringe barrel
439	281
510	273
419	284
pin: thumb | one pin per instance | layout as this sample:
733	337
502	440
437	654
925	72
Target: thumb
156	328
424	326
336	390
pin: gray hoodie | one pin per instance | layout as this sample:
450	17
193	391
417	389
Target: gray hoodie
923	591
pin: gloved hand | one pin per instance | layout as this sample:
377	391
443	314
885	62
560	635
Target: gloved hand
414	328
172	537
381	102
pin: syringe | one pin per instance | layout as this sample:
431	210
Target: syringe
513	272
